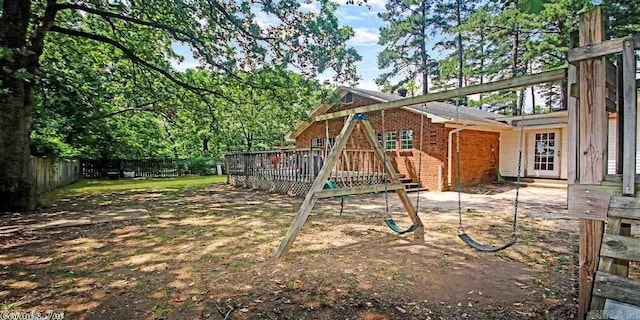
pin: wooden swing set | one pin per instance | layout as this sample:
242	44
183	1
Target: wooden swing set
593	196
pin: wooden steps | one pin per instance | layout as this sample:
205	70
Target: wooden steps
543	183
618	248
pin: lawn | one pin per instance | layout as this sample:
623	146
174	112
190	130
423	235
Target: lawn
206	253
105	186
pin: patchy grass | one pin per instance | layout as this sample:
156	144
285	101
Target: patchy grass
89	187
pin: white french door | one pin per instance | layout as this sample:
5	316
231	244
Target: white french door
543	154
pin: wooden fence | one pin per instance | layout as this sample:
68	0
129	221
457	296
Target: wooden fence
49	173
292	171
151	168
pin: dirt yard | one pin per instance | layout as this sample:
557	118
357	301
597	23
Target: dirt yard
205	252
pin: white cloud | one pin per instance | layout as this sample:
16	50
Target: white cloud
369	85
345	16
313	7
364	37
182	66
263	19
375	5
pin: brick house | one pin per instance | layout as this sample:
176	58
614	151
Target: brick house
479	138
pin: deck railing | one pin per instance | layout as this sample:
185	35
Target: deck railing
292	171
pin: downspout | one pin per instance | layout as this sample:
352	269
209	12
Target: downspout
450	152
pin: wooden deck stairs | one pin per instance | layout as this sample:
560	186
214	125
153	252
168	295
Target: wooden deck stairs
409	184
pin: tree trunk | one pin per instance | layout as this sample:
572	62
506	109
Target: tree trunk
171	139
514	64
16	102
249	138
460	59
424	58
533	91
205	146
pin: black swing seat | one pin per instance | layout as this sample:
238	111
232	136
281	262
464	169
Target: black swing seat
393	226
480	247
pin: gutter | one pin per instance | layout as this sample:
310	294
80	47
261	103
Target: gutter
450	152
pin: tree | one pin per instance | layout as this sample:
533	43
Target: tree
224	35
449	16
405	43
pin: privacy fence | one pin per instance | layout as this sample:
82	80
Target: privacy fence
50	173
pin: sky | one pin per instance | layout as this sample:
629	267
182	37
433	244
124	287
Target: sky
363	20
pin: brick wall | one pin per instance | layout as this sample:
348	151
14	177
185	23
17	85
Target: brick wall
479	152
477	161
405	162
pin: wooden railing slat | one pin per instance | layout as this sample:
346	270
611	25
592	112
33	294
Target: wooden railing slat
617	288
621	247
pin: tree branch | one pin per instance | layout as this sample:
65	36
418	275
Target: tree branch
39	33
178	34
125	18
141	107
235	22
129	53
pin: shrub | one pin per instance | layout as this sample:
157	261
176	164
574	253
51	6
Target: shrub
202	166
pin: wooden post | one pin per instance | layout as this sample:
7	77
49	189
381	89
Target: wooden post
591	144
629	93
318	183
573	110
620	117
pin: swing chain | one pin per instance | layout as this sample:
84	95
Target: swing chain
420	161
458	190
516	201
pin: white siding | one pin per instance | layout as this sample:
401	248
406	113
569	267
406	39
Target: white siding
509	145
611	152
564	142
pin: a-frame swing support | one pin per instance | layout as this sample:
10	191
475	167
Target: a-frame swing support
316	191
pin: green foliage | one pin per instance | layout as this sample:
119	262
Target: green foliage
201	166
404	39
104	85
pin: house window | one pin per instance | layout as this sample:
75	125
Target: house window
347	99
390	140
379	135
317	142
406	139
332	142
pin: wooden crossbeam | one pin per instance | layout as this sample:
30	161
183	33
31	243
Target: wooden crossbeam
328	193
597	50
624	208
516	82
